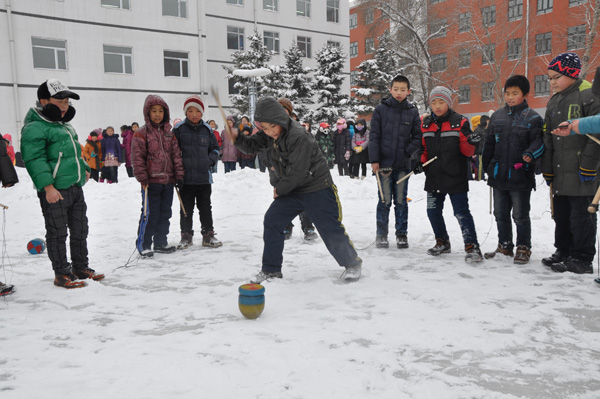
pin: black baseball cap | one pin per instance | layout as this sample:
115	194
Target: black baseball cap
56	89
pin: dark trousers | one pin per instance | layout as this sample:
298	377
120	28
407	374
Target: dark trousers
343	168
110	173
354	169
154	225
518	202
395	193
129	171
229	166
66	214
196	195
575	231
248	163
305	222
324	208
460	205
94	174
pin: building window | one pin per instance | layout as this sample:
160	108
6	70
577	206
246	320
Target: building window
271	5
544	6
488	16
353	20
235	38
438	28
304	44
464	94
489	54
464	58
303	8
49	54
174	8
123	4
369	16
271	41
118	59
543	43
333	10
369	45
353	77
439	62
515	10
353	49
235	2
464	22
514	49
331	43
176	64
542	86
231	87
435	1
576	37
573	3
487	91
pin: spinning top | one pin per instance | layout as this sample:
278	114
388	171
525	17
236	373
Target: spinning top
252	300
36	246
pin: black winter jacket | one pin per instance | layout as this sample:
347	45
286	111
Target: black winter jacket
395	134
8	174
298	163
342	142
513	132
199	151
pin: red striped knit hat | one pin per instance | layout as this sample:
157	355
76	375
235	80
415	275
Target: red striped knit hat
193	101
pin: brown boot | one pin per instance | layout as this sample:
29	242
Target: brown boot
523	254
186	241
209	240
67	281
499	250
86	272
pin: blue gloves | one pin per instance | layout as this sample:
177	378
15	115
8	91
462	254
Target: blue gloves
586	175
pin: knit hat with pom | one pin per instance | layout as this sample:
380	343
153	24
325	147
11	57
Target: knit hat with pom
193	101
567	64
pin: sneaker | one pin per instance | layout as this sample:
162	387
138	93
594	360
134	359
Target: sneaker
165	249
310	234
262	276
473	253
86	272
146	253
523	255
68	280
381	242
101	180
573	265
352	273
186	241
6	289
401	241
287	233
441	247
362	178
556	257
209	240
504	250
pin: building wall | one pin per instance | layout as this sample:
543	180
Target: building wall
116	99
530	64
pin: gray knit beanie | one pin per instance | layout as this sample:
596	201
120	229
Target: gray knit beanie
443	93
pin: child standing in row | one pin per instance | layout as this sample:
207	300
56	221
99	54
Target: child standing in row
447	136
231	154
127	136
92	154
325	142
360	143
199	153
156	160
111	155
342	143
513	143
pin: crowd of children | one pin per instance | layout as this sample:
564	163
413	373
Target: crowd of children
506	147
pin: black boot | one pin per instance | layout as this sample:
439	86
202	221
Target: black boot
573	265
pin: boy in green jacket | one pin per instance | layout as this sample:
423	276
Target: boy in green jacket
52	156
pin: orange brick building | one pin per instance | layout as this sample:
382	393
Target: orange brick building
478	45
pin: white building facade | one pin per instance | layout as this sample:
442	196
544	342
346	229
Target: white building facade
115	52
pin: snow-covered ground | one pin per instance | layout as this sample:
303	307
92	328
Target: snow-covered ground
414	326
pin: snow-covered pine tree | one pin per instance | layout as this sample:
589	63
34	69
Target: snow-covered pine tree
256	56
333	103
301	89
374	77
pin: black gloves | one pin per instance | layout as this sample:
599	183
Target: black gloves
179	184
474	138
418	168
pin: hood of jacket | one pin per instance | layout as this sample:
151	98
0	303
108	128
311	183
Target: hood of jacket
151	100
269	110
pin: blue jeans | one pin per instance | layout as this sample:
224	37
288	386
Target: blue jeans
518	201
324	208
229	166
154	225
460	205
397	193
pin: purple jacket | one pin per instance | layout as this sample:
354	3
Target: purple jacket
127	136
230	153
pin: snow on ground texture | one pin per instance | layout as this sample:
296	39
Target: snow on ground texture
414	326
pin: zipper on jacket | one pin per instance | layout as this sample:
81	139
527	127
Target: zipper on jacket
56	166
76	157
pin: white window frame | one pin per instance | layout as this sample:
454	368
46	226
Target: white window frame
353	20
181	4
462	89
369	45
541	82
183	61
369	16
273	37
332	7
240	34
576	32
307	44
59	52
271	5
487	88
353	49
239	3
123	4
305	12
124	56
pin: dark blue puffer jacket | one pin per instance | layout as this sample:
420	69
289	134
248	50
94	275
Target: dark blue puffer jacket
395	134
199	151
